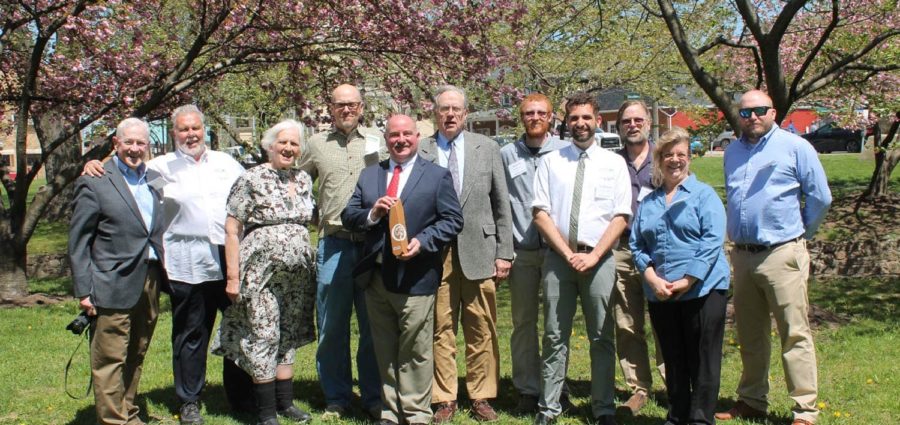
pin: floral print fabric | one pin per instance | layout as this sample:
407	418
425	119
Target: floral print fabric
273	314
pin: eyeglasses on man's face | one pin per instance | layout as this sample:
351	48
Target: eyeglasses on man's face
350	106
449	109
634	121
539	114
758	110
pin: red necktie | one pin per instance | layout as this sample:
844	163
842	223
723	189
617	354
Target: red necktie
395	182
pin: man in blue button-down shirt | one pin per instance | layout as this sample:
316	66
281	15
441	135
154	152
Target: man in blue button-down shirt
777	196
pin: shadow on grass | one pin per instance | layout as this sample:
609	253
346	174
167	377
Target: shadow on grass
859	298
215	403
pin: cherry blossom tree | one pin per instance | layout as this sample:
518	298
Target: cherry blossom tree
795	49
70	65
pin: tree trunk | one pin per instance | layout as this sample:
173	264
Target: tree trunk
13	282
883	174
49	126
886	160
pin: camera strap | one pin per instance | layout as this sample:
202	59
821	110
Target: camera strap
87	391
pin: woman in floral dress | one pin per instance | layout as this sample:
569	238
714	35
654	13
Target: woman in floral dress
271	273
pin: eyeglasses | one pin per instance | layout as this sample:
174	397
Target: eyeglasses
351	106
455	110
635	121
758	110
539	114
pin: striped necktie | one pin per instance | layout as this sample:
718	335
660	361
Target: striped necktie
576	202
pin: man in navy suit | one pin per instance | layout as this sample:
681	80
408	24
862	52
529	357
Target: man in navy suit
115	247
400	290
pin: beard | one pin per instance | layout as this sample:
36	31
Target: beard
583	136
537	130
755	131
636	139
193	152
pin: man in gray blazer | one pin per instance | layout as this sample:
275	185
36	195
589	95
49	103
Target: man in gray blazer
115	247
480	256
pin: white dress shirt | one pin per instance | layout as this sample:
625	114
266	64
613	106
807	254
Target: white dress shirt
194	196
405	171
606	190
443	157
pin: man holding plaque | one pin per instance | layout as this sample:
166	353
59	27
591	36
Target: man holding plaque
404	197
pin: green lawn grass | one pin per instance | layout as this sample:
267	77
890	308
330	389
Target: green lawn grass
858	378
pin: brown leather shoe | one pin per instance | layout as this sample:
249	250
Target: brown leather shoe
444	412
740	410
636	402
799	421
482	411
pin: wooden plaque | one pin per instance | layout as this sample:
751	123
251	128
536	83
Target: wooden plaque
397	229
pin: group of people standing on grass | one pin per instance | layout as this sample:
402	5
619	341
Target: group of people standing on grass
559	221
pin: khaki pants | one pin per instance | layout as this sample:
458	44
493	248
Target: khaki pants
402	327
474	304
631	340
775	281
118	345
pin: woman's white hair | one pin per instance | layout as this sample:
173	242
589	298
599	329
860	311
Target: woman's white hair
272	133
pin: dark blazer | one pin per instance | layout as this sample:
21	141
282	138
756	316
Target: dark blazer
433	216
108	240
484	198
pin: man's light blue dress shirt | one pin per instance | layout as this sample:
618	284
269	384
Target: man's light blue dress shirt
137	184
776	189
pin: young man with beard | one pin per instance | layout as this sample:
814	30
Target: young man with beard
520	159
582	203
777	196
633	121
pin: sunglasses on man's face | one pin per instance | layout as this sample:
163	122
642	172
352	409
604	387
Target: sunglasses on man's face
758	110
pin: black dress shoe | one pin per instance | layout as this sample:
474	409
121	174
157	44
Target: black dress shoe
189	414
542	419
605	420
296	414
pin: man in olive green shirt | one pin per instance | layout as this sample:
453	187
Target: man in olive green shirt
335	158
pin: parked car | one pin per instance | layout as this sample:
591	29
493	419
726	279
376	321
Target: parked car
238	153
829	138
608	141
722	140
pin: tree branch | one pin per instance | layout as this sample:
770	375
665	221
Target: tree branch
826	34
707	82
748	13
829	74
788	12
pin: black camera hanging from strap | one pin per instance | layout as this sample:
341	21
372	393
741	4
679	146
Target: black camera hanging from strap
87	332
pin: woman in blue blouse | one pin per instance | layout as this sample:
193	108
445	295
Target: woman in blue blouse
677	239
